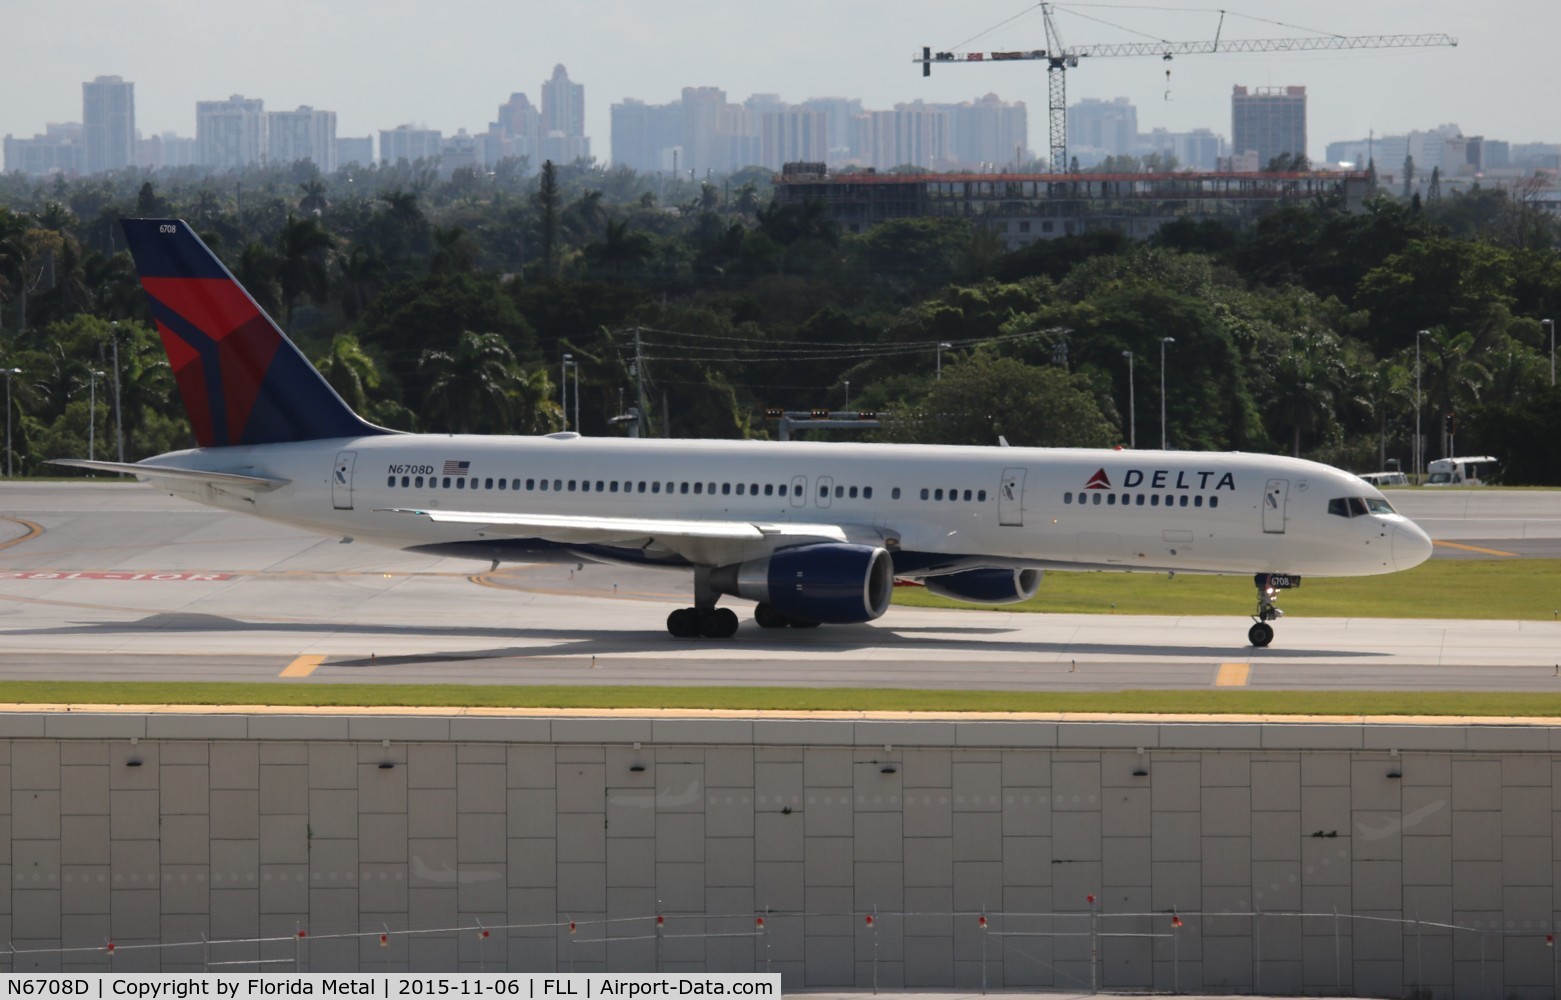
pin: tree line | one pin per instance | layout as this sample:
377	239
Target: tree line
447	303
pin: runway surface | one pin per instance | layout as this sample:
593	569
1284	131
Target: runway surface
118	582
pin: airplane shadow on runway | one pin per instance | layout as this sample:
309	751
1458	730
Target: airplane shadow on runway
579	642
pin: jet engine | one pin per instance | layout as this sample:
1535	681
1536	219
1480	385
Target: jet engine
987	586
836	583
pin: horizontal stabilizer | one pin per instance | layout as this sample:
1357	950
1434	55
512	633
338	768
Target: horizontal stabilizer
145	471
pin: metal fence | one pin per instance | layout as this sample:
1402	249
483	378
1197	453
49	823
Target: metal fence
997	950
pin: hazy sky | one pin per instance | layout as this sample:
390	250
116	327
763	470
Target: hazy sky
449	64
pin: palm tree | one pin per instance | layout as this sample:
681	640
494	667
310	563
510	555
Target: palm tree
1388	390
363	274
1305	379
303	257
1453	378
314	201
620	248
349	370
455	252
470	388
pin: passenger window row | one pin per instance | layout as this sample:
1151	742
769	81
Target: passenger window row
1137	499
953	495
838	492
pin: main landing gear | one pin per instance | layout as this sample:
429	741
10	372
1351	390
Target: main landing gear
1268	587
704	618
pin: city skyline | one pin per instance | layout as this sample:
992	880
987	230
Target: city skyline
361	62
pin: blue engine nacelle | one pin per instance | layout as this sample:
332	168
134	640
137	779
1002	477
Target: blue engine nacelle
837	583
987	586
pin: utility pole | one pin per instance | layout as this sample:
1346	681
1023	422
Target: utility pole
1132	405
1163	342
639	378
8	373
1550	326
119	424
92	411
563	388
1419	445
577	397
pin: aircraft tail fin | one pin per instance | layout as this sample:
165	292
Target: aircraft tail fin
242	380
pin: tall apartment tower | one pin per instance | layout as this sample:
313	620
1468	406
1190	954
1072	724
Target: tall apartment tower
1269	121
410	143
563	104
230	133
793	135
108	117
644	135
1111	127
305	134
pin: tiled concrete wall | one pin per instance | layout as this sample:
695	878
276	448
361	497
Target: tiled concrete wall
148	829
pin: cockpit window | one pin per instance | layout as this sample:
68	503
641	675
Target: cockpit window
1358	506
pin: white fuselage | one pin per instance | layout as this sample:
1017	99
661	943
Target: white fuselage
931	506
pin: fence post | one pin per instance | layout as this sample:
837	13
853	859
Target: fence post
1338	981
1257	950
482	941
1176	951
872	925
1419	971
571	945
108	946
298	946
205	953
661	922
384	942
982	925
1094	945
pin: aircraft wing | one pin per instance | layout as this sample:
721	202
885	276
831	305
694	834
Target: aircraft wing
698	541
146	471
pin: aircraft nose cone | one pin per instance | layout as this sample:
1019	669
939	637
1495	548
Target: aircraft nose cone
1411	546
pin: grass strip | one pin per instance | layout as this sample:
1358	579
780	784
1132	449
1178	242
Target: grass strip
1508	589
1224	702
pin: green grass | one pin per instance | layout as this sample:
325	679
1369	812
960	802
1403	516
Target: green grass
1209	702
1515	589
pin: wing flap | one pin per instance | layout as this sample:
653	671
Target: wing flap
670	532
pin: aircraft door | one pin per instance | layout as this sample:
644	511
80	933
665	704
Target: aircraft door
341	480
1010	498
826	485
1274	497
799	491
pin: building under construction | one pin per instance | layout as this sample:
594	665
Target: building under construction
1023	208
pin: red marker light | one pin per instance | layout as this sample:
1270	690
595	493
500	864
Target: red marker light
758	921
109	947
869	920
1090	899
571	926
303	933
484	932
1176	921
660	920
982	922
384	940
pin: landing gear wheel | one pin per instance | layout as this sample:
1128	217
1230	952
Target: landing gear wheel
766	616
684	623
1260	634
718	623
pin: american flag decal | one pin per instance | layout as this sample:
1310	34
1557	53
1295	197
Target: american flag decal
453	468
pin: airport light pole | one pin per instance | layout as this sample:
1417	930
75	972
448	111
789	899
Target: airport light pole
577	396
1163	342
1132	406
1419	446
1550	327
8	373
119	423
945	345
564	389
93	375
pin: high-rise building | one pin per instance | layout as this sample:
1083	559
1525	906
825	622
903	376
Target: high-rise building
353	149
645	135
988	133
305	134
230	134
1199	149
60	150
1106	127
408	142
563	104
915	134
108	116
793	135
702	109
1270	121
165	151
839	112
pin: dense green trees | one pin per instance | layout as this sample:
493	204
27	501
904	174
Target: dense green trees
440	303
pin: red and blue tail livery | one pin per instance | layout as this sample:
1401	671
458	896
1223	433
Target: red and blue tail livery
242	380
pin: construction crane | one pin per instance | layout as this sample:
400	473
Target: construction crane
1060	58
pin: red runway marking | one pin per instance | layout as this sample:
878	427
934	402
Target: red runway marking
126	575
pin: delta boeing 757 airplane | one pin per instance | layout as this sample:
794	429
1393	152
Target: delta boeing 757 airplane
812	533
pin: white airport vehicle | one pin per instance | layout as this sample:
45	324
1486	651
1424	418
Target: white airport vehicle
1385	478
1465	471
812	533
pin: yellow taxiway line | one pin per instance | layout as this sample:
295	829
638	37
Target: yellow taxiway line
1233	675
303	666
1472	548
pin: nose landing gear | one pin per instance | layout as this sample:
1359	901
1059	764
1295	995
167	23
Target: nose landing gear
1268	587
